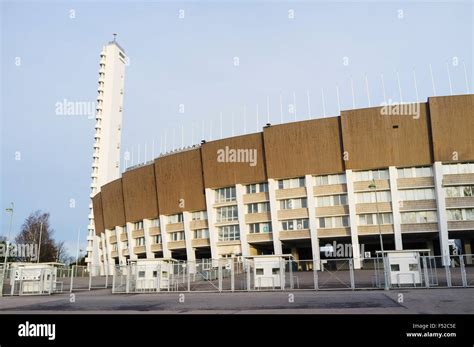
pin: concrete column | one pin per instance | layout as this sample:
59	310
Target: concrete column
120	247
441	212
353	219
188	236
131	241
211	220
239	191
397	219
106	249
148	240
277	247
164	237
313	221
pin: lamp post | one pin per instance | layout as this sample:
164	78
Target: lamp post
373	186
9	210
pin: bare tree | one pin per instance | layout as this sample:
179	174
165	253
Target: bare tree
36	223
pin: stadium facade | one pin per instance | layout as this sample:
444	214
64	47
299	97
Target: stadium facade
406	173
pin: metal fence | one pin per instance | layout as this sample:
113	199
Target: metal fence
231	275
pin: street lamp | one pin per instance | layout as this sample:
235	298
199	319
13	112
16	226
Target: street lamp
9	210
373	186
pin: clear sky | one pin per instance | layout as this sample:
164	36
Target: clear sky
46	158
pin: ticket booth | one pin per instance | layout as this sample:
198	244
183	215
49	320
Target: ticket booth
152	274
404	266
268	271
34	278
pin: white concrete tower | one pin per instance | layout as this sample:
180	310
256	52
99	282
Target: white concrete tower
108	129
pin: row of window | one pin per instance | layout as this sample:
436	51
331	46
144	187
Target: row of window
371	175
417	194
371	219
259	207
291	183
289	204
177	236
330	179
199	215
226	194
459	191
368	197
257	188
460	214
201	234
458	168
295	224
175	218
229	233
227	214
419	217
411	172
334	222
331	200
256	228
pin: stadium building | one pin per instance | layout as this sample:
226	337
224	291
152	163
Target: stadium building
403	171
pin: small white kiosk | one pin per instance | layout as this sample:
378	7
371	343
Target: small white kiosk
404	266
269	270
153	274
34	278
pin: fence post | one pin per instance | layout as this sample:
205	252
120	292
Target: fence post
315	275
447	264
425	272
113	280
219	275
463	271
351	273
247	268
232	274
72	279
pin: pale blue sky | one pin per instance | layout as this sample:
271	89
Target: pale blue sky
190	61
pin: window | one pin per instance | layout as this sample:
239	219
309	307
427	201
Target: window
289	204
114	247
461	214
201	234
259	271
418	217
394	267
370	175
459	191
263	187
141	274
256	228
330	179
157	239
175	218
295	224
413	267
334	222
417	194
371	218
331	200
155	223
257	188
458	168
252	208
177	236
275	271
199	215
225	194
251	189
369	197
291	183
140	241
138	225
227	213
229	233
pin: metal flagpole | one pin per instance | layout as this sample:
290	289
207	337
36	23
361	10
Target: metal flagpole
367	88
432	81
39	243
